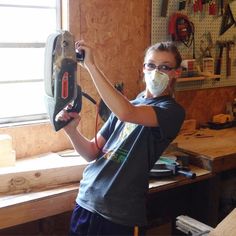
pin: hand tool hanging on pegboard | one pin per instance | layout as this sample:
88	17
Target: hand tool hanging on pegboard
164	8
220	7
228	58
227	19
212	7
220	47
232	6
205	5
182	5
181	29
197	6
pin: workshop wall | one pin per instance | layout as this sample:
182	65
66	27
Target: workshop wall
201	105
109	30
201	98
119	32
210	31
31	140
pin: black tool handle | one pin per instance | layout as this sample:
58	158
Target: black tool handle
182	5
219	60
228	59
164	8
77	105
80	55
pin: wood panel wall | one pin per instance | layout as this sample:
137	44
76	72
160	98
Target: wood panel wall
203	104
119	32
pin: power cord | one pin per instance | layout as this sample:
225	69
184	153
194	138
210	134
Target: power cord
96	120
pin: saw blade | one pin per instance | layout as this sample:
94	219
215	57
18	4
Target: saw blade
60	80
64	48
59	46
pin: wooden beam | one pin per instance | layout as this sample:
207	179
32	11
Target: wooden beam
22	208
49	170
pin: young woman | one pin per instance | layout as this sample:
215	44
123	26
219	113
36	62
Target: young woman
112	193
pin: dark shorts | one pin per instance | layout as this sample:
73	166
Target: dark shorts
84	222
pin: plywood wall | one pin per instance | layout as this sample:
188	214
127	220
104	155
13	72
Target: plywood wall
203	104
119	32
31	140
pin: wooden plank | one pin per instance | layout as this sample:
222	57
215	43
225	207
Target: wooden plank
22	208
184	79
200	77
34	173
214	150
208	142
226	227
26	207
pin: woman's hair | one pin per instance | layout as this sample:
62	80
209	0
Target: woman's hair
166	47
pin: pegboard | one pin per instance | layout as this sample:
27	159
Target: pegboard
203	25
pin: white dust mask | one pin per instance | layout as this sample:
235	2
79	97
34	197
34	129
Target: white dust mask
156	82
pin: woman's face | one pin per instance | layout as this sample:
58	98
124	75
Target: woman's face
164	62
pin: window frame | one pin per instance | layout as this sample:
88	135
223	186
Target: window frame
32	118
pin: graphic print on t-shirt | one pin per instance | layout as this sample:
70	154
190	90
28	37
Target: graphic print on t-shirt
118	155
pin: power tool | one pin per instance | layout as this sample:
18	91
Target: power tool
60	76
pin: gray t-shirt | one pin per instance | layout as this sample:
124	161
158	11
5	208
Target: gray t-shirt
116	184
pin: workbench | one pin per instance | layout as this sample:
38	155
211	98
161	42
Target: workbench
214	150
211	151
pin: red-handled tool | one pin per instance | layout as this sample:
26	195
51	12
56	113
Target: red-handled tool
228	59
212	7
221	46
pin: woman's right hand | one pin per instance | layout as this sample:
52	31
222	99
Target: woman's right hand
64	115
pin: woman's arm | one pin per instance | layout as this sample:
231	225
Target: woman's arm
118	104
88	149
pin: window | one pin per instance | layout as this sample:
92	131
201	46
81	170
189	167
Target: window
25	26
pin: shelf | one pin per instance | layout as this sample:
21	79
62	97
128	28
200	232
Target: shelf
195	78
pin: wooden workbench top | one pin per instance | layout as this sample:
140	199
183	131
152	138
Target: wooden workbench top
162	184
214	150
